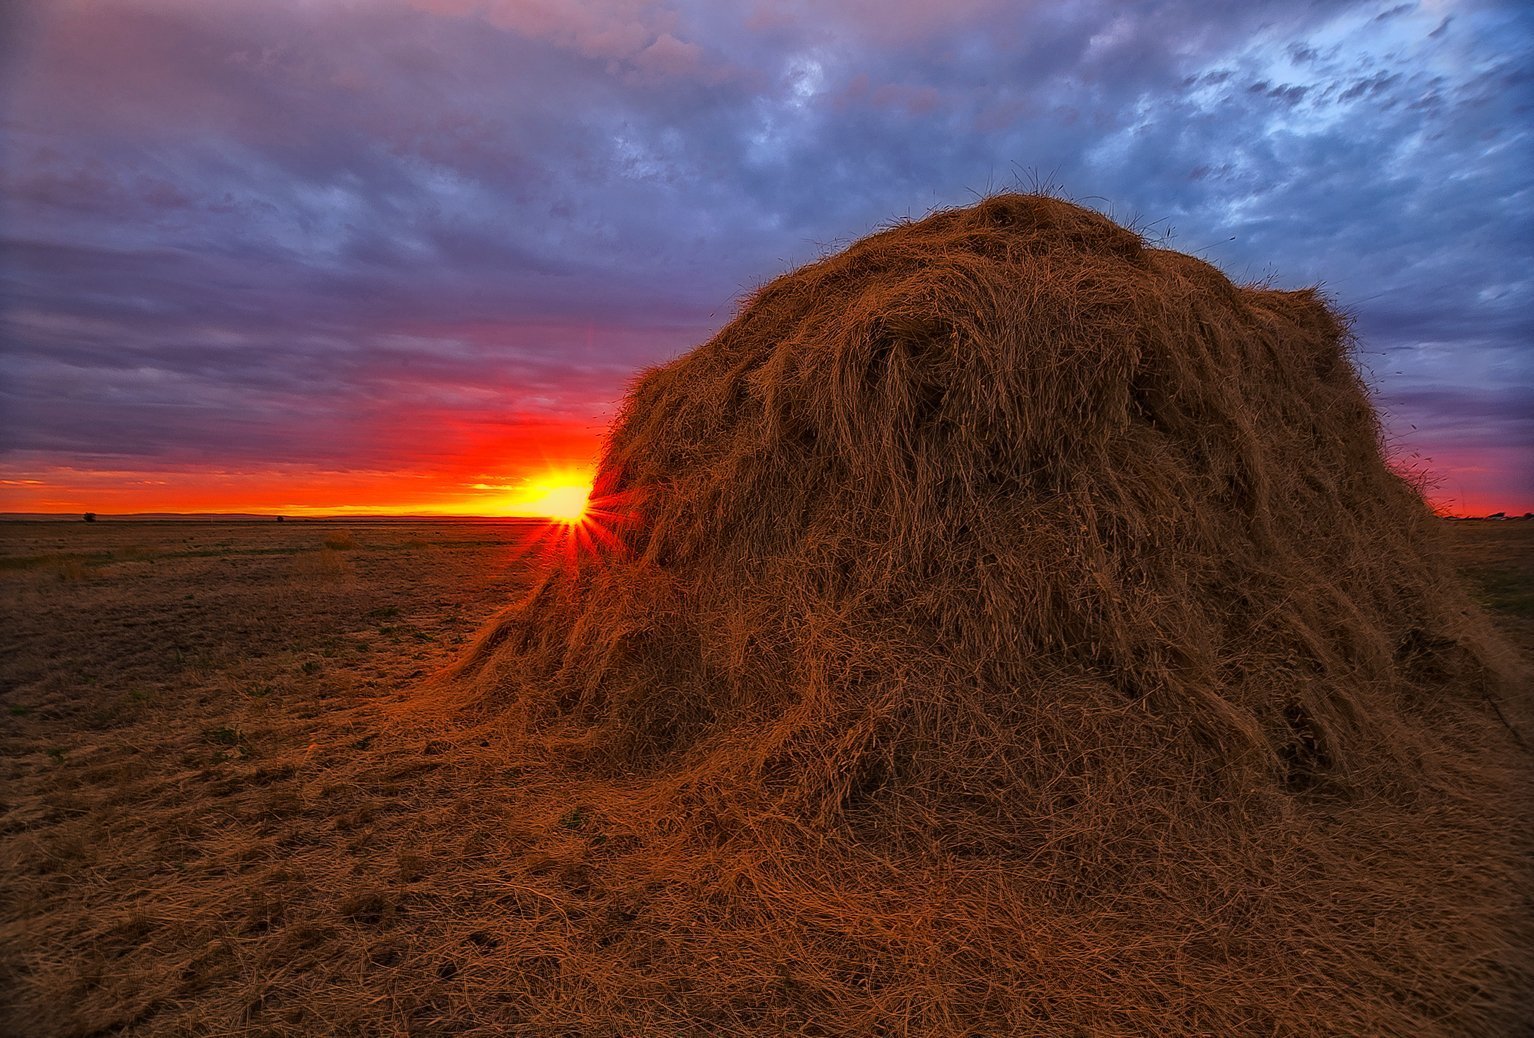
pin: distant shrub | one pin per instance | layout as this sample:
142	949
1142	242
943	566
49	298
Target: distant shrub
89	517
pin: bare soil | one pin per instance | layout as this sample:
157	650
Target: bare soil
208	824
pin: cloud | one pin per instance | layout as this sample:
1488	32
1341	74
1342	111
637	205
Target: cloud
280	231
669	56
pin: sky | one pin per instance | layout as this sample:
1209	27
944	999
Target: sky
331	256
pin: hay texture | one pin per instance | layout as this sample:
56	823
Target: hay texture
1003	626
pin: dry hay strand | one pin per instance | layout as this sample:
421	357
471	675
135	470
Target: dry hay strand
1005	626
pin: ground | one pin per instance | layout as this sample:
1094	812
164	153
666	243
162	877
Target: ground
210	823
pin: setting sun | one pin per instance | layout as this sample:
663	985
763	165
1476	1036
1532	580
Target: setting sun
561	499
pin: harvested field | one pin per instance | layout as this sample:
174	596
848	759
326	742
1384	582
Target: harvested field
211	827
208	827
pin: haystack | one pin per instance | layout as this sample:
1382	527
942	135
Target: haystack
1005	626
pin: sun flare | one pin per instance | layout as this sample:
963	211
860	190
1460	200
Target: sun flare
562	500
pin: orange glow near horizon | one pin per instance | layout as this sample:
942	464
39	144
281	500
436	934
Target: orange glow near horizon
434	466
517	491
524	470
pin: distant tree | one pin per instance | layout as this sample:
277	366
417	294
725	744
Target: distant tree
90	517
281	519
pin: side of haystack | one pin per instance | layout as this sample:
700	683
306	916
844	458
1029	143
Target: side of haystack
1017	561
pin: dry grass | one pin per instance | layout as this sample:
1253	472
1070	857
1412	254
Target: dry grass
1114	689
320	566
341	541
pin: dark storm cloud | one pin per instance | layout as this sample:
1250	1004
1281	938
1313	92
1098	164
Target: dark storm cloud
263	230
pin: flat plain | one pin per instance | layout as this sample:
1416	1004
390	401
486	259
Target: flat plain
212	823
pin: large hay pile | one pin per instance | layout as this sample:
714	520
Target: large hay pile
1004	626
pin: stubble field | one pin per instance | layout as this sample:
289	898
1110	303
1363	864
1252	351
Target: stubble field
207	826
210	823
